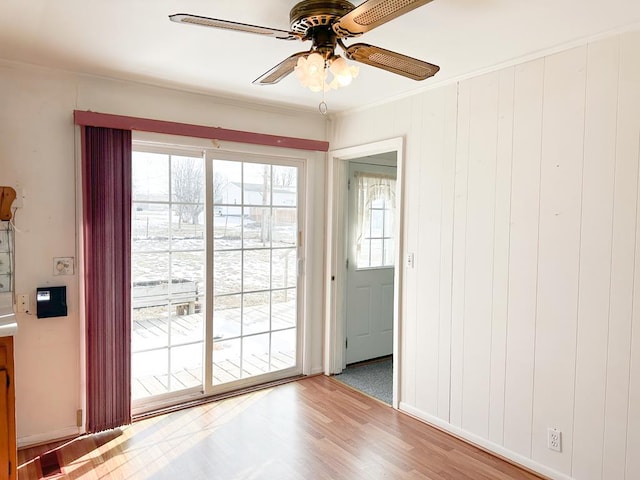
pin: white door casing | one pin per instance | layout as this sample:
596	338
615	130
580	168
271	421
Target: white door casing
337	174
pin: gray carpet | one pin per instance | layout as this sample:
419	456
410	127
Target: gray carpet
375	379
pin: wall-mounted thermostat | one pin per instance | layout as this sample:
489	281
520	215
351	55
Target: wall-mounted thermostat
51	302
63	266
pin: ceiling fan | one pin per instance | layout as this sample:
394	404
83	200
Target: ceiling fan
326	23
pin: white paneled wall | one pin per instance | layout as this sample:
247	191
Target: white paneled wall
595	257
501	244
521	206
558	253
622	425
523	256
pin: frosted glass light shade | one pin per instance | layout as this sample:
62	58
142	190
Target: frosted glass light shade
343	73
312	72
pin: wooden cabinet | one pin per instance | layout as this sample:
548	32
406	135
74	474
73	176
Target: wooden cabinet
7	411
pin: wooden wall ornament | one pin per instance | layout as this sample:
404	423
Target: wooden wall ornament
7	196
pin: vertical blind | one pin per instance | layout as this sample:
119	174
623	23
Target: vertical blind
106	188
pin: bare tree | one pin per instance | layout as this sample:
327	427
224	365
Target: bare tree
284	176
220	183
188	186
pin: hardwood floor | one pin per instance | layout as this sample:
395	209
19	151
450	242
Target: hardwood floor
315	428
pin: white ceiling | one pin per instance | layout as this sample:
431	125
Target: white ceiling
133	39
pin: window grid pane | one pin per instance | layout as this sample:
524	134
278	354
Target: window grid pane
375	218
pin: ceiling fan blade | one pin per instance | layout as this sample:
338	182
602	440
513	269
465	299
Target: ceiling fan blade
235	26
391	61
372	14
280	71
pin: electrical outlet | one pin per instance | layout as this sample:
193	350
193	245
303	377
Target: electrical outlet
23	303
554	439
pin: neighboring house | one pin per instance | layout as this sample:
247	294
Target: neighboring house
231	194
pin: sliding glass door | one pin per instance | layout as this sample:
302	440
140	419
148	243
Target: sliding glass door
214	273
254	269
168	274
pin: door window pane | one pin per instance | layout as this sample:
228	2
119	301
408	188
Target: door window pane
150	275
256	184
227	310
185	327
285	227
256	270
226	361
149	373
150	330
187	187
375	212
227	272
186	367
284	268
285	185
283	349
256	313
256	227
150	227
150	177
255	355
283	309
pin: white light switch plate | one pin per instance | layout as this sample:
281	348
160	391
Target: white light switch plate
410	260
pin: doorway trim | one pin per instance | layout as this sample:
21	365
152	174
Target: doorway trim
336	254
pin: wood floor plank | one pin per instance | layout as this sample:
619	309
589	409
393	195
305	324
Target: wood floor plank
313	428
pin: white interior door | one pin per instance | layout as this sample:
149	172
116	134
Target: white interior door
370	265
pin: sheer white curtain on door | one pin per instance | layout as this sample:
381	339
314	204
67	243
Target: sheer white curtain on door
371	187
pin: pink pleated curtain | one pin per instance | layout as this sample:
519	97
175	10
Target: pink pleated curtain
106	188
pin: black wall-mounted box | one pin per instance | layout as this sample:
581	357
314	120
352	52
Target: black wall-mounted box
51	302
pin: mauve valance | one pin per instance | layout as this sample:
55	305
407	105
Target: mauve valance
94	119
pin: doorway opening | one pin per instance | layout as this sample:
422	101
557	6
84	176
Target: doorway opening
373	377
363	290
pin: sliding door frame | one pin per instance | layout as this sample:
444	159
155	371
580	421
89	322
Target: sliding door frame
211	155
193	147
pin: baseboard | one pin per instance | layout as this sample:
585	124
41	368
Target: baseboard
49	437
316	371
484	444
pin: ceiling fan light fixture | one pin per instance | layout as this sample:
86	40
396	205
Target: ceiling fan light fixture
311	72
343	73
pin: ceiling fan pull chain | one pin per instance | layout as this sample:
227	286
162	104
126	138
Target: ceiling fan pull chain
323	105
